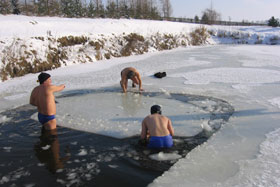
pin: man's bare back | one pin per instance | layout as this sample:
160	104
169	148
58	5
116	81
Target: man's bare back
43	98
157	129
157	125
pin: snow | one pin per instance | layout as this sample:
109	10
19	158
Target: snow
24	26
164	156
232	75
244	152
275	101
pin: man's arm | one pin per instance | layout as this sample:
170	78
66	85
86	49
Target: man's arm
140	81
144	130
170	128
57	88
124	83
32	99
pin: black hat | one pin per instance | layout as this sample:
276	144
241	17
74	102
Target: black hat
43	77
155	109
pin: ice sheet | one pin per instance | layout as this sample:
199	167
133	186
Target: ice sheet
120	115
230	153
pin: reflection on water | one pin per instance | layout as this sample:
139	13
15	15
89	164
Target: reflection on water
131	103
48	152
31	157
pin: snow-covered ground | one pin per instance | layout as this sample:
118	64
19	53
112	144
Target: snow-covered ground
245	152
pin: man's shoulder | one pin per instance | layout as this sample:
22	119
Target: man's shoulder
164	117
148	117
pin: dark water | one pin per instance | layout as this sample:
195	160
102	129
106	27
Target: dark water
68	157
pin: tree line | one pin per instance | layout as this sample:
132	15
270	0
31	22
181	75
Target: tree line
139	9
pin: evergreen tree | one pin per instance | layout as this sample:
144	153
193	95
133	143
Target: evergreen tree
204	19
15	7
196	19
54	8
78	8
42	7
138	10
210	16
91	10
122	9
154	13
99	8
68	8
5	7
273	22
112	9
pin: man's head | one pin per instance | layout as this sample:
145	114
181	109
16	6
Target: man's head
155	109
130	75
43	77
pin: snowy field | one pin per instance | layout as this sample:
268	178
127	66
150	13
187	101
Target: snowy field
245	152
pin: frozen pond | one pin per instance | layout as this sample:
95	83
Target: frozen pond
245	150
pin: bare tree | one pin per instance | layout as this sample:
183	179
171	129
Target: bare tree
166	8
210	15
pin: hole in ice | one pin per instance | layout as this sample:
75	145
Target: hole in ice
118	115
86	159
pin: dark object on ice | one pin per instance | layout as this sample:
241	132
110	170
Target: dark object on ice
160	74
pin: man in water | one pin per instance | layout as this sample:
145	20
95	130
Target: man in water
133	74
43	98
159	128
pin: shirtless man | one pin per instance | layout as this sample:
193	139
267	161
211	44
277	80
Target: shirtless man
159	128
43	98
133	74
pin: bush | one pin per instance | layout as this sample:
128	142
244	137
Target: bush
72	40
199	36
135	44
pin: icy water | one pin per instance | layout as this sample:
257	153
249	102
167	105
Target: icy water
68	157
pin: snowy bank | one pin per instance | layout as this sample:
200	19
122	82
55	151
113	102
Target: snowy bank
35	44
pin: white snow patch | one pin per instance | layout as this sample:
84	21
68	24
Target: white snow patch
161	156
4	119
232	75
275	101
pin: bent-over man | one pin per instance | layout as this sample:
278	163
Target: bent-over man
43	98
159	128
133	74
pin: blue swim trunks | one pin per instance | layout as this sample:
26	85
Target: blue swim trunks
45	118
160	142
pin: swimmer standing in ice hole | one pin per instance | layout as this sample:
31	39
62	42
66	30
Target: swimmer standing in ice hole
157	129
43	98
134	75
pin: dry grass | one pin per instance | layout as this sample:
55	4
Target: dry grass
199	36
72	40
97	44
28	60
134	44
